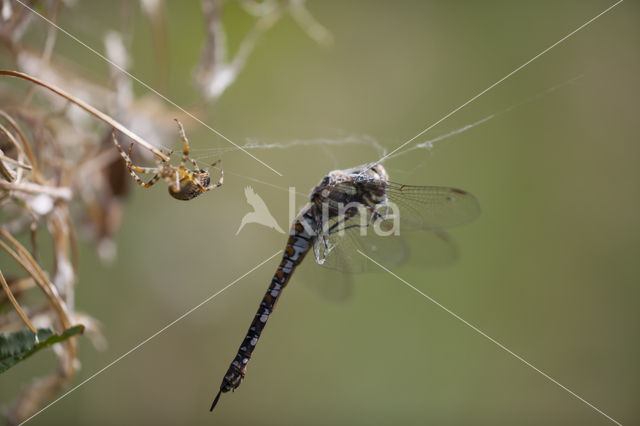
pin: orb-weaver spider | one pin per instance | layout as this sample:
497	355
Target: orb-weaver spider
184	184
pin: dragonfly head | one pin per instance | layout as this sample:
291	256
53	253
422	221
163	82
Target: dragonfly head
379	172
371	171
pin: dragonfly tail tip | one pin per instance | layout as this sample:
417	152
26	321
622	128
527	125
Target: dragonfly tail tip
215	401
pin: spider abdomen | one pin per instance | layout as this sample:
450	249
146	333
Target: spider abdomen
188	190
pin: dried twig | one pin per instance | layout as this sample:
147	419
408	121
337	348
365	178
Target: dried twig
14	142
215	72
15	162
28	263
25	143
33	188
90	109
15	304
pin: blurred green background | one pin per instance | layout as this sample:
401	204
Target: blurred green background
550	269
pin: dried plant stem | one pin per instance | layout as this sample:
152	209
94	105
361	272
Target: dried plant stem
58	225
15	304
91	110
14	162
73	240
15	143
22	284
309	24
28	263
33	188
4	172
25	143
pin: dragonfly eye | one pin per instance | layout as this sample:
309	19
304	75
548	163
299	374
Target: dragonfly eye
380	171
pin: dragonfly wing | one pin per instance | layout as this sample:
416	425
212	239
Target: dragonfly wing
345	253
343	240
330	284
432	207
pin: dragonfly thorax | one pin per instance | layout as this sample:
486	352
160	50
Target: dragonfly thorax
363	184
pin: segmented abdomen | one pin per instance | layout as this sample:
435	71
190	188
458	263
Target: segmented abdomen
298	245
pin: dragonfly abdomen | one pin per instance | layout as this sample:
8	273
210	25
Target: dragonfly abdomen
298	245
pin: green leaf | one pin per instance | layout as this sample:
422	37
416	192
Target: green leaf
19	345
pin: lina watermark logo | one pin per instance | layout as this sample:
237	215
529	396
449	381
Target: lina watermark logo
332	217
260	214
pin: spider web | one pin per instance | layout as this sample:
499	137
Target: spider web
332	146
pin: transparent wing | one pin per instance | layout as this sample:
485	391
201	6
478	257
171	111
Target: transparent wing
341	244
330	284
432	207
340	250
382	234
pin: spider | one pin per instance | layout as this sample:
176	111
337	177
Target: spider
184	184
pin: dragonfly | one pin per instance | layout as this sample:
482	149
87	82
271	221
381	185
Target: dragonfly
350	213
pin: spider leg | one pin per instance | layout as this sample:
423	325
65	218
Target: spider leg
151	181
127	158
131	167
185	149
176	183
169	153
215	185
172	179
124	155
193	178
147	170
219	183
